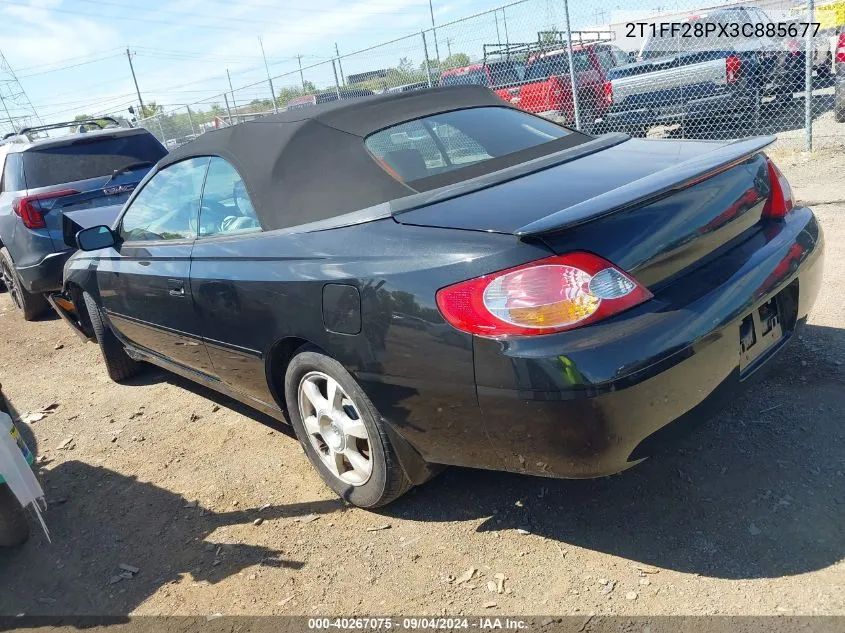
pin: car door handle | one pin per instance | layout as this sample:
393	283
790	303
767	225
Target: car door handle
176	288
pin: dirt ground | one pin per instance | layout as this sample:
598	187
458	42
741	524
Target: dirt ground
746	516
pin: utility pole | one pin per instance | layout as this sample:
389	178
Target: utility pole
191	120
336	84
434	33
232	90
449	45
269	79
228	109
425	53
135	79
339	65
301	76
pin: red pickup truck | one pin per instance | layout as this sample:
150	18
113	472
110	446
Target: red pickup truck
546	88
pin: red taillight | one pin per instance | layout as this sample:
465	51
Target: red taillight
780	201
840	48
30	211
608	93
732	66
549	295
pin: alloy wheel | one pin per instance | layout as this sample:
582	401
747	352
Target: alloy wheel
335	428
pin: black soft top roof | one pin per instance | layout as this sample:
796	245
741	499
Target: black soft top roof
310	164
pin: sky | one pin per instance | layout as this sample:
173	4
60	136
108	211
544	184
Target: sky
70	55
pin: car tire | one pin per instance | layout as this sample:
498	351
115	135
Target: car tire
353	411
14	528
118	363
31	304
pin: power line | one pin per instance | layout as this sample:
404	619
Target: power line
75	102
213	59
233	18
422	5
53	70
228	29
148	50
68	59
77	90
85	106
115	108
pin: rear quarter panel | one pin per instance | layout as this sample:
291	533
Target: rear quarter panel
253	291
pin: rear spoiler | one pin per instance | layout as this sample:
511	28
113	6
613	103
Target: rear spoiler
649	188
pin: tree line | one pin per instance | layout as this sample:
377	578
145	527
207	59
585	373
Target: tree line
181	123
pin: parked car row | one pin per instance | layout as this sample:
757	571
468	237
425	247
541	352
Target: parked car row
708	81
479	286
699	82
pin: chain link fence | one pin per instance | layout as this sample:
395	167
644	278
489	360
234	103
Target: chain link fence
684	69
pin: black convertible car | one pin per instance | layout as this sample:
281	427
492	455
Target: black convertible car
436	277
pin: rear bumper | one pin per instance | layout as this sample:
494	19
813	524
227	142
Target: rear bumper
594	402
46	275
721	106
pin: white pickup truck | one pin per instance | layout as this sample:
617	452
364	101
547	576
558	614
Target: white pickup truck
704	80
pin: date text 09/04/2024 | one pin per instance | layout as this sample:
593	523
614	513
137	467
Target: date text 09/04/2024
417	624
695	29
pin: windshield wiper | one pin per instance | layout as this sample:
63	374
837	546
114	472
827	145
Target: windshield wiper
129	167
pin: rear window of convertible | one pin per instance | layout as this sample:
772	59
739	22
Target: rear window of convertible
445	148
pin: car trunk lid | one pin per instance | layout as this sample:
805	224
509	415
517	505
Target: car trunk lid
653	208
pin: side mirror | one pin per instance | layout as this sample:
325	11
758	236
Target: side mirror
95	238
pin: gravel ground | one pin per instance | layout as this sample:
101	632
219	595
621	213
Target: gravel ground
745	516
